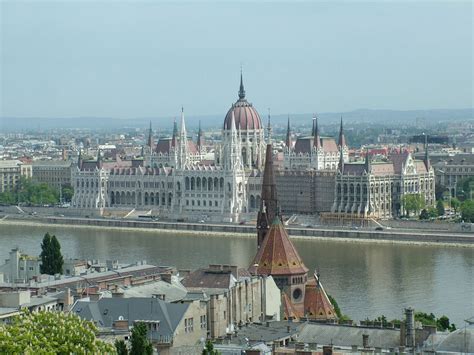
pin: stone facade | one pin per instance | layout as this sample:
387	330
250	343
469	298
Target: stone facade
377	189
10	173
307	191
449	170
175	179
314	152
53	173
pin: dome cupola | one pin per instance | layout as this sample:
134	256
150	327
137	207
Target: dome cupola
246	116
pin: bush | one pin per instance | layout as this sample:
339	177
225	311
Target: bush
51	333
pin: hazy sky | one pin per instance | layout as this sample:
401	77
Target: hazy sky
147	58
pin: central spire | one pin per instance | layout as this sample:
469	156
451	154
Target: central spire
269	206
241	90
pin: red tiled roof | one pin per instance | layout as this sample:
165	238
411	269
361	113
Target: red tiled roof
245	115
316	301
289	311
277	254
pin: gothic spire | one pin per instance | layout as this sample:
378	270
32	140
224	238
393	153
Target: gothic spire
199	137
367	161
427	156
241	90
150	139
175	133
269	128
79	159
341	161
342	139
288	134
269	200
99	159
317	138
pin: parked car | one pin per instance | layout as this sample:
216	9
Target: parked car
379	228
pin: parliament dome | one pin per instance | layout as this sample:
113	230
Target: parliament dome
245	115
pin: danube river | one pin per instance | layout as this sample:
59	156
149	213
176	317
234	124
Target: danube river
367	279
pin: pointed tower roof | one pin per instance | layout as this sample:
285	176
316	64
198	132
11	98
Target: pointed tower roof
317	138
427	156
150	139
199	137
269	200
277	254
174	139
367	161
241	90
288	134
316	302
183	124
342	139
341	161
269	128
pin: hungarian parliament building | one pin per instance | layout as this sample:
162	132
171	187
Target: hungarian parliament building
177	179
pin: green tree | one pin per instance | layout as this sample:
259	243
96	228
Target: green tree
67	192
51	258
424	214
455	204
335	305
209	349
139	342
413	203
51	333
121	347
440	207
467	211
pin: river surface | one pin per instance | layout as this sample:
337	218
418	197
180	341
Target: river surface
367	279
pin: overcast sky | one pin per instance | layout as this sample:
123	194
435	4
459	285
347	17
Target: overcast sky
146	59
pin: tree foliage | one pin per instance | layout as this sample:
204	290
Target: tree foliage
413	203
455	204
51	333
440	208
209	349
441	323
67	193
51	258
467	211
464	187
139	341
28	192
121	347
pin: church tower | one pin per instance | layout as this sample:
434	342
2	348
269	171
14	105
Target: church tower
269	201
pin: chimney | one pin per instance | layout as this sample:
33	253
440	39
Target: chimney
410	327
120	324
166	277
327	350
365	340
288	329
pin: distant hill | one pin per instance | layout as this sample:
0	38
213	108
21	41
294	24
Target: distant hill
388	117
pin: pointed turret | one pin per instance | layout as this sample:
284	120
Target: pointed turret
241	90
79	159
150	139
183	143
317	138
200	139
427	156
341	161
174	139
269	201
99	160
288	134
269	129
342	139
367	161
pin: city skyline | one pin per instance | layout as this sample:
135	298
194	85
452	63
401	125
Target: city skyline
117	60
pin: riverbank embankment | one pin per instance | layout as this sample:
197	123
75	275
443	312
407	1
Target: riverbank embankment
362	235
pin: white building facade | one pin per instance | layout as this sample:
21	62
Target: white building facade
174	179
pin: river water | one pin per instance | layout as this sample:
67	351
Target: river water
367	279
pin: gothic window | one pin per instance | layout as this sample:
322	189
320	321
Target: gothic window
221	183
192	183
216	184
186	181
204	183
